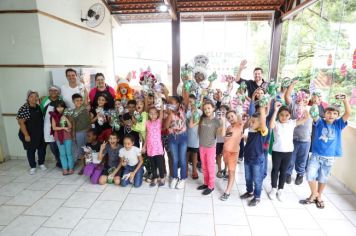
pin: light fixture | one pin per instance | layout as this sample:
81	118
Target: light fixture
162	7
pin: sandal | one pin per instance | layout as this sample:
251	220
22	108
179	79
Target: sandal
319	204
219	174
65	172
195	175
307	201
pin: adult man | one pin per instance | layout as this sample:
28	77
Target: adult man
252	85
72	87
46	106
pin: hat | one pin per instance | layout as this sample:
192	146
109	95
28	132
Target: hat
30	92
54	87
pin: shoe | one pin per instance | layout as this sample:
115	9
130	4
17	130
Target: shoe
174	183
32	171
207	191
43	167
219	174
272	194
65	172
180	184
153	183
299	179
195	175
70	172
246	195
254	202
202	187
280	195
224	197
161	183
288	179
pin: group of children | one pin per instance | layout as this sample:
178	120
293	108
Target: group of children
128	142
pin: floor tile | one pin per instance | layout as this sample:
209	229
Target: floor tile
89	187
61	191
27	178
114	193
343	202
103	210
65	217
351	215
12	189
5	179
94	227
197	224
161	228
329	212
8	213
44	207
264	208
55	173
130	220
165	212
306	232
74	179
232	230
26	198
297	219
138	202
230	215
81	199
23	225
234	199
44	184
261	225
290	200
198	205
4	199
191	190
43	231
337	227
121	233
169	195
145	189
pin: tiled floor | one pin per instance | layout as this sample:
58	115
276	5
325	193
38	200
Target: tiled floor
51	204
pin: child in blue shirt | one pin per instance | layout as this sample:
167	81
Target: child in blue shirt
254	154
326	148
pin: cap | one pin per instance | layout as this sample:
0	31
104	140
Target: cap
54	87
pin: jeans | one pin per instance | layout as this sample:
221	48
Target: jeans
280	163
242	146
265	165
319	168
253	176
178	147
137	179
65	151
31	156
80	141
55	151
299	158
207	157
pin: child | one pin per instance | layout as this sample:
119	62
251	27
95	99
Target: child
282	149
221	112
153	144
112	163
193	115
92	145
61	128
231	149
254	157
81	123
326	148
126	128
99	119
209	128
131	160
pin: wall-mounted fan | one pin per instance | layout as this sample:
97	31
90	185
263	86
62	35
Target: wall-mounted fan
95	15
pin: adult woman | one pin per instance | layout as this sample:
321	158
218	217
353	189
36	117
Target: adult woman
30	120
101	88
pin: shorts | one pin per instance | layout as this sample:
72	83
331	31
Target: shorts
193	150
219	148
319	168
230	159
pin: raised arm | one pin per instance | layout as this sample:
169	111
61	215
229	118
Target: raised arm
347	106
272	122
241	68
288	94
102	148
304	119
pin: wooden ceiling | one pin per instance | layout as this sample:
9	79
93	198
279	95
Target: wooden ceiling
150	6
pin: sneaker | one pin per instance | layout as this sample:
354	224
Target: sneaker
224	197
254	202
246	195
280	195
43	167
180	184
272	194
32	171
288	179
207	191
299	180
202	187
174	183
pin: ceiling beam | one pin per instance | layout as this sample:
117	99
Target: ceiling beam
172	8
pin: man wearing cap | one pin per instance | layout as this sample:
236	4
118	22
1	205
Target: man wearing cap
47	105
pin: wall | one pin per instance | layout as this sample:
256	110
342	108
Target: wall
344	168
51	35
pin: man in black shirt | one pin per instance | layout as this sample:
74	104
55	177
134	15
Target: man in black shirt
254	84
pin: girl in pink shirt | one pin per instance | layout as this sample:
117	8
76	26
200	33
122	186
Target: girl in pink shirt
153	144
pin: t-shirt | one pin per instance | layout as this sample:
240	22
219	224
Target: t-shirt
283	136
81	119
178	122
113	157
302	133
153	138
192	133
254	144
67	93
207	132
130	155
327	139
233	138
252	86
